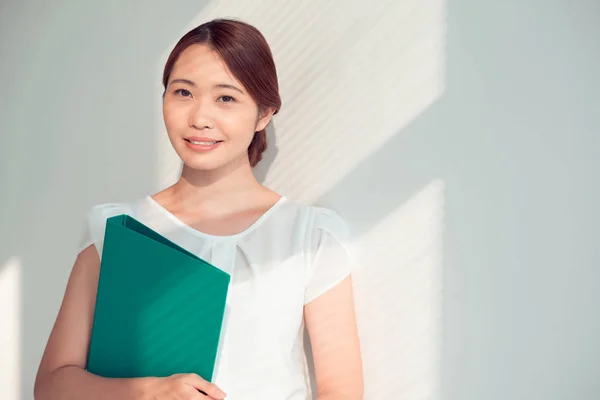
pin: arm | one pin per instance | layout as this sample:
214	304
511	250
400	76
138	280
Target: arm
331	323
62	374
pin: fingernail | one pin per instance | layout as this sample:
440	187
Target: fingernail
221	394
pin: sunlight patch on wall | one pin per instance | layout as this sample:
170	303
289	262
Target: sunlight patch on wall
398	299
10	322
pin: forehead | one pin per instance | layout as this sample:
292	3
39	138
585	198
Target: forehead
201	64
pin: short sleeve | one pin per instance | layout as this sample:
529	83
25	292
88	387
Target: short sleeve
94	224
330	259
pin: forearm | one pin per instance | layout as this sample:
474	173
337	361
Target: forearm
74	383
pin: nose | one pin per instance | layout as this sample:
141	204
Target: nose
200	117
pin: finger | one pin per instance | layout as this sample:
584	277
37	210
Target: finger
205	396
202	395
207	388
196	394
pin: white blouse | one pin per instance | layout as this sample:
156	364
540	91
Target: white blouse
291	255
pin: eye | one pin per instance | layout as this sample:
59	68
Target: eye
182	92
226	99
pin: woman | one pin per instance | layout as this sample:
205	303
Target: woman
221	92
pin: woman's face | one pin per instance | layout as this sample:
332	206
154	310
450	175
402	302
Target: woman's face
209	115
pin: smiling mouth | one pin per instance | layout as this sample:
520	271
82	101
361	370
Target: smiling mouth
203	143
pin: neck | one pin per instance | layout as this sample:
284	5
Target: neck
224	187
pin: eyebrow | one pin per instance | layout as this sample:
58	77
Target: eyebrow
219	86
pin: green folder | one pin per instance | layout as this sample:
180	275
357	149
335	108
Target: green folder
159	308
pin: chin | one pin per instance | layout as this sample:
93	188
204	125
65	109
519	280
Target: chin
199	161
210	161
202	164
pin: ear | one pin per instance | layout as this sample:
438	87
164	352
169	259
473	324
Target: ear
264	118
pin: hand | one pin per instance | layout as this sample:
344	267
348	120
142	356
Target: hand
181	387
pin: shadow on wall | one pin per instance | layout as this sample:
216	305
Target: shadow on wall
262	168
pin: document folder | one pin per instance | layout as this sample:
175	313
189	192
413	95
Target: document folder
159	308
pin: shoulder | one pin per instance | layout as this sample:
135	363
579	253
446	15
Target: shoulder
314	221
109	209
330	221
329	258
320	219
99	213
95	219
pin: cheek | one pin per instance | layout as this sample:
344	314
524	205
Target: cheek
241	122
174	117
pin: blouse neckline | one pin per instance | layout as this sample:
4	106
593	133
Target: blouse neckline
197	232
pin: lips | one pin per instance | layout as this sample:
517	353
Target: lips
203	141
202	144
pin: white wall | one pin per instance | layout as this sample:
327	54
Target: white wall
457	138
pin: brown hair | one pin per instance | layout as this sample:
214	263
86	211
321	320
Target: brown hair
248	56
